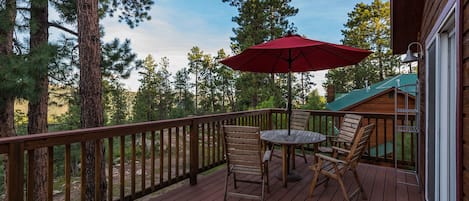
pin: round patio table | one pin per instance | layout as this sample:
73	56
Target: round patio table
288	142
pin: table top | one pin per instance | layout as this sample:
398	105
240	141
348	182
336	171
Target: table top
296	136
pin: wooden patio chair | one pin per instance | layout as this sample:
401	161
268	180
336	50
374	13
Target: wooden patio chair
244	156
299	121
348	130
335	168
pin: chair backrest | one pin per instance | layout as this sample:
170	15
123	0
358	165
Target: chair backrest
243	148
299	120
359	144
349	127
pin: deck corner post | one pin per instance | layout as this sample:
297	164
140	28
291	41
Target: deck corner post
15	171
194	153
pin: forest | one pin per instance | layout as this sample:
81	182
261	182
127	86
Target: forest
81	75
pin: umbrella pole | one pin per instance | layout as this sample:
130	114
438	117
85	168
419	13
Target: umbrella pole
289	106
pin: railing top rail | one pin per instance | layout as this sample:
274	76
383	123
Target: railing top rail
87	134
342	113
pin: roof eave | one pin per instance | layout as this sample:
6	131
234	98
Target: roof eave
406	19
370	98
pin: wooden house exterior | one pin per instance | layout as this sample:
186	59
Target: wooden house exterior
379	98
442	29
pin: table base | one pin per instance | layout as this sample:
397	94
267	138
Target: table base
291	177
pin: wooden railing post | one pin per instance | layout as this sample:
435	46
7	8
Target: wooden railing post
15	171
194	152
269	119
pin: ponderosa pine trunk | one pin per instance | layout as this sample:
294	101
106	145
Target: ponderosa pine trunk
7	125
37	107
91	96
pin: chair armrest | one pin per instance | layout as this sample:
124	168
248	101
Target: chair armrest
328	158
267	154
341	149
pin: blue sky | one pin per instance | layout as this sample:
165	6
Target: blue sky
178	25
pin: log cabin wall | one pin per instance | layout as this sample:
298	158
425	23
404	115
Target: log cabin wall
465	99
431	11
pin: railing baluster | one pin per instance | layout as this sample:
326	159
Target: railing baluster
184	150
385	123
67	169
169	154
143	161
161	157
219	157
132	167
209	140
82	170
377	140
203	145
152	168
31	177
122	167
402	144
109	168
97	170
177	151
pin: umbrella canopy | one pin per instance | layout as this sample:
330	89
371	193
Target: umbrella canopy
294	53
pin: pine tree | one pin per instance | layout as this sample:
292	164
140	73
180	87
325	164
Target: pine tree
184	98
145	101
367	27
7	17
91	93
259	21
195	66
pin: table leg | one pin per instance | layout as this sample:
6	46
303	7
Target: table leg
293	156
316	150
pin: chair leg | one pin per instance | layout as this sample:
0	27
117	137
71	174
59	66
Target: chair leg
304	155
234	181
314	182
326	183
342	187
362	190
226	186
272	148
262	188
266	167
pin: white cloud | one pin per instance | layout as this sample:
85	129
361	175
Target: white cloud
175	29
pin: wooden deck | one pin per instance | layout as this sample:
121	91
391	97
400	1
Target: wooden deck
380	183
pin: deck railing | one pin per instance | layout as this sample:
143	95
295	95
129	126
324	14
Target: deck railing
143	158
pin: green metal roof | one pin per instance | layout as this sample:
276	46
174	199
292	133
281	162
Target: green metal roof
359	95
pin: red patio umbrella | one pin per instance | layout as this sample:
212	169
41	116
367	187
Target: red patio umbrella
294	53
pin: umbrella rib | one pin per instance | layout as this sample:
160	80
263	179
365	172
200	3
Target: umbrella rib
338	55
276	62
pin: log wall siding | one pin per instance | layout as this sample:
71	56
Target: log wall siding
465	100
431	11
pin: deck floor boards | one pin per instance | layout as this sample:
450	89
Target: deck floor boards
380	183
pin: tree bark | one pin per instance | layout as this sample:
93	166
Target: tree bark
37	108
7	125
91	95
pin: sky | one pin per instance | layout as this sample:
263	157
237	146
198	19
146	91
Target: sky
178	25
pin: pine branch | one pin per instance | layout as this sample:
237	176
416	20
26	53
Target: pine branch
58	26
